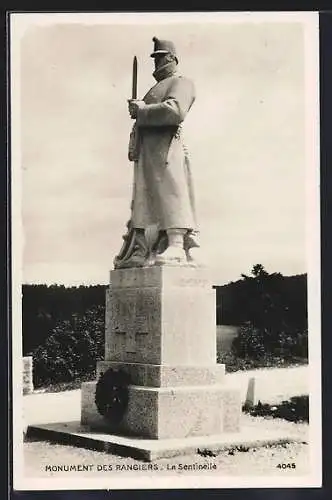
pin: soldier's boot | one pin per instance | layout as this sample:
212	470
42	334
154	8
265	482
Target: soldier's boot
158	247
174	253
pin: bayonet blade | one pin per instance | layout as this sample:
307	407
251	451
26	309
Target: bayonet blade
134	88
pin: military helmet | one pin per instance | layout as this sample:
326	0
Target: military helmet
163	47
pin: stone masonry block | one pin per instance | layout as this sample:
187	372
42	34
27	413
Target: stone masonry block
166	413
165	375
161	315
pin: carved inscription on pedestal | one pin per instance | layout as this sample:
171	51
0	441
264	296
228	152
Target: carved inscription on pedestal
132	317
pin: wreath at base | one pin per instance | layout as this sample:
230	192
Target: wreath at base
112	395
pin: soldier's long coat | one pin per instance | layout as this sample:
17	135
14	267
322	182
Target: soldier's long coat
163	188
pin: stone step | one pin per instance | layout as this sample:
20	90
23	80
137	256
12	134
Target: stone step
166	375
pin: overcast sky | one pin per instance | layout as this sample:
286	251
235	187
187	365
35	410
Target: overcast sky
245	132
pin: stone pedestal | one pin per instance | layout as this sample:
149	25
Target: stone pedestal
161	329
27	375
161	315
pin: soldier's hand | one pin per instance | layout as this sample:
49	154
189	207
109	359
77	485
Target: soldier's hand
133	106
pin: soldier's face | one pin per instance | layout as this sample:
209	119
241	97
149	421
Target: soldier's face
159	61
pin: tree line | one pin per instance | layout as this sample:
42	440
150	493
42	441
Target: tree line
263	297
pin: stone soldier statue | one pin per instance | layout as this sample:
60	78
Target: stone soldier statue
163	190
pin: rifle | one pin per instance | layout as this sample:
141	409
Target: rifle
129	238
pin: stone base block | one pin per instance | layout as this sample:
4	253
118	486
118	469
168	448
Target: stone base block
75	434
166	375
169	412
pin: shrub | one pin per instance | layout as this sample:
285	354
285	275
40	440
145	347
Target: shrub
256	343
44	306
249	343
296	409
72	349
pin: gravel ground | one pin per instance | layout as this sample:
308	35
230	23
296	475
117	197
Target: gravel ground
257	461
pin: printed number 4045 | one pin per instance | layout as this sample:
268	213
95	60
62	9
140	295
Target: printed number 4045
286	466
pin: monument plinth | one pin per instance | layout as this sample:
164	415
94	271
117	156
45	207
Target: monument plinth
161	330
